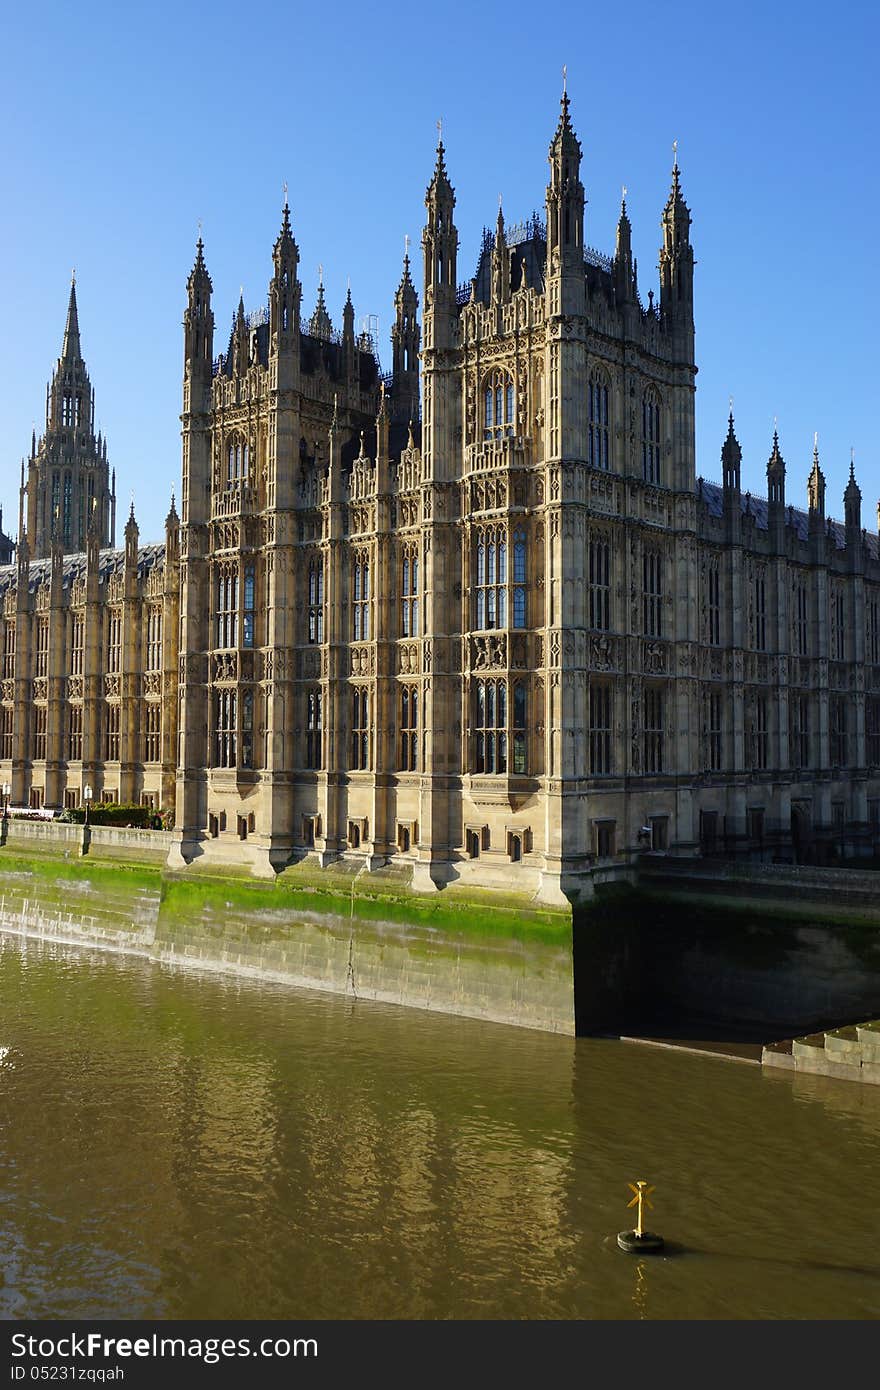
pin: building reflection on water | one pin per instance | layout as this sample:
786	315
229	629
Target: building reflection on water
183	1146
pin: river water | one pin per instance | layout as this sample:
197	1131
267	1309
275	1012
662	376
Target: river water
175	1145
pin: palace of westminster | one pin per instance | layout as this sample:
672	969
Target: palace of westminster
478	617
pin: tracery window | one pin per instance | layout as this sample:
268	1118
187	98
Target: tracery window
316	600
493	733
715	731
838	627
225	728
408	760
247	728
490	724
154	639
651	436
872	612
314	726
360	729
152	731
67	515
227	609
6	724
41	661
74	733
713	603
114	640
77	643
601	706
491	586
361	599
801	614
599	571
654	732
759	593
41	715
652	593
237	461
498	412
409	591
519	578
759	737
598	450
111	733
837	724
799	707
9	651
247	613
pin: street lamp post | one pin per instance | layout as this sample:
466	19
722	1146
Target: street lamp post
87	797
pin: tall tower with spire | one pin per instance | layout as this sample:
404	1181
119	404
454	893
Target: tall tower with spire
405	349
677	265
67	484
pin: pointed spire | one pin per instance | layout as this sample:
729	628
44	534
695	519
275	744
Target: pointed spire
624	266
70	351
776	476
564	140
440	180
816	486
731	456
320	325
199	281
852	503
406	290
172	519
284	240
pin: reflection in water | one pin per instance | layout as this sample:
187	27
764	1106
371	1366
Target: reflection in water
183	1146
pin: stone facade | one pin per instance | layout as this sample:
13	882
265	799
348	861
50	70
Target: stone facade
480	618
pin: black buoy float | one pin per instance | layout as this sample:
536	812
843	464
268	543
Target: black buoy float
639	1241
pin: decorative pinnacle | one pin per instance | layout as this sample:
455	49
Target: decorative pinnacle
284	191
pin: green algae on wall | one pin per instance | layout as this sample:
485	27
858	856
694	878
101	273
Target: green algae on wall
459	953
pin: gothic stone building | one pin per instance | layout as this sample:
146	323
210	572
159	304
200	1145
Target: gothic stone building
479	617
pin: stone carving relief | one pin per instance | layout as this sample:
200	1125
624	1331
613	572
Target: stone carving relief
408	659
654	658
488	653
603	653
224	666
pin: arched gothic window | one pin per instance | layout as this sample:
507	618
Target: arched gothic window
409	591
651	436
498	416
361	599
237	461
598	447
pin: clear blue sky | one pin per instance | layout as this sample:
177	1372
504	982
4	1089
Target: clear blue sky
126	125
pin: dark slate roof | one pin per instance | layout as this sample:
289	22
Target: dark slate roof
109	562
530	252
798	520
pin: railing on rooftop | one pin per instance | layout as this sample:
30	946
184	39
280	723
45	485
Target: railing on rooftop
598	259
